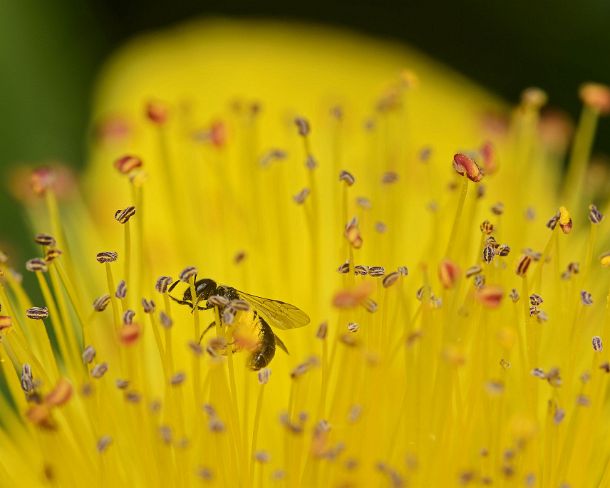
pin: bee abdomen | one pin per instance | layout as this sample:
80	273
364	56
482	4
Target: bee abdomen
265	350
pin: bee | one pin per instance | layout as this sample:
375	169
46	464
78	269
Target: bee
266	313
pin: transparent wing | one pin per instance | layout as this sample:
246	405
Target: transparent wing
280	315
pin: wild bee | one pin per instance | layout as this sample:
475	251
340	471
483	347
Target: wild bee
266	313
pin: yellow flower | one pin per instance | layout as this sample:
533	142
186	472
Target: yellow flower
455	334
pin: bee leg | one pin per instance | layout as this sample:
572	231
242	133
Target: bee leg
181	302
206	331
280	344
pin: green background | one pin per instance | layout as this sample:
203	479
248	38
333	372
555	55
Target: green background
51	50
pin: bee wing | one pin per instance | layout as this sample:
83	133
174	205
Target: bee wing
280	315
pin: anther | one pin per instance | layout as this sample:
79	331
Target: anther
165	432
473	270
361	270
228	315
166	320
381	227
586	297
466	166
533	98
88	354
133	396
148	305
344	268
505	363
389	177
187	273
553	376
353	327
100	303
558	415
514	295
27	379
51	254
553	221
488	254
218	301
103	443
503	250
322	331
536	299
486	227
573	268
595	216
364	203
300	197
128	316
99	370
376	271
121	290
403	270
523	265
538	373
497	209
390	279
128	163
177	379
163	283
121	384
605	259
262	457
263	376
565	221
370	305
196	348
479	281
310	162
239	257
597	344
107	257
205	474
273	155
424	154
44	240
302	126
123	216
352	234
347	178
36	264
240	305
37	313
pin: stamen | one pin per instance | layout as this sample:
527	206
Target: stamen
596	96
523	265
503	250
107	257
300	197
595	216
36	264
187	273
322	331
177	379
37	313
586	297
490	295
344	268
473	270
148	305
302	126
536	300
498	208
103	443
121	290
100	303
553	221
123	216
514	295
381	227
390	279
165	320
479	281
376	271
353	327
487	227
364	203
99	370
128	316
263	376
488	254
51	254
361	270
347	178
129	334
45	240
88	354
389	177
5	322
163	283
597	344
27	378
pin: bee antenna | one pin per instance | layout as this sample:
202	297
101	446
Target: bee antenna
173	285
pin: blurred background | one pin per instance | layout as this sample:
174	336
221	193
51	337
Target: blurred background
51	51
